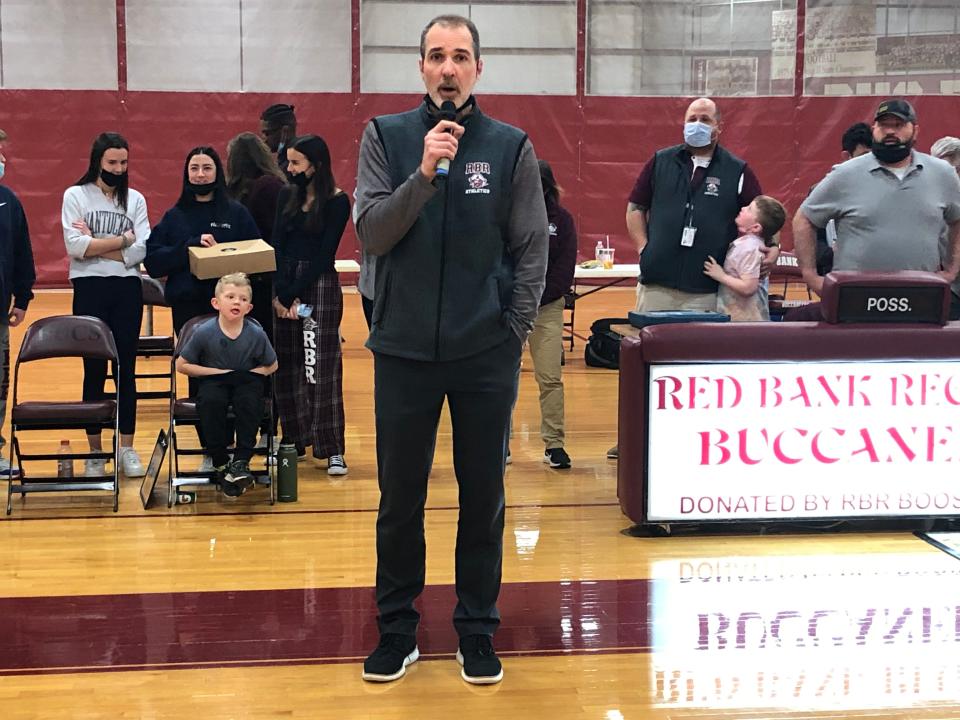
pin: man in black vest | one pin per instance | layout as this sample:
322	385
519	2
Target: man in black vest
682	210
459	274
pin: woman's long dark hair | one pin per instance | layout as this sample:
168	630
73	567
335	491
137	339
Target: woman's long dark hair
315	149
248	158
220	198
551	191
103	142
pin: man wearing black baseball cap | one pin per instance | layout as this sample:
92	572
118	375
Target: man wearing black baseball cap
889	205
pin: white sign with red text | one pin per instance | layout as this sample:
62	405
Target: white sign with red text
803	440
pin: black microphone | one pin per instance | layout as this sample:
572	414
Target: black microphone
448	111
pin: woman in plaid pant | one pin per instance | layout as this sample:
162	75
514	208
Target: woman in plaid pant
311	215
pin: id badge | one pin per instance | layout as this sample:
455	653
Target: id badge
686	240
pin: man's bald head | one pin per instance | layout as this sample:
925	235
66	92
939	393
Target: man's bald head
703	110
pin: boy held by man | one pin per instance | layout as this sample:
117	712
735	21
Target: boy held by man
229	354
739	278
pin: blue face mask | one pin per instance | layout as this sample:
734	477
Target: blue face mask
2	169
697	134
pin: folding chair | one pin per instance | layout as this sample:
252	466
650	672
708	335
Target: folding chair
63	336
183	413
152	345
569	303
786	272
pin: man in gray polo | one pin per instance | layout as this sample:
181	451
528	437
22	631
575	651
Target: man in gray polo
889	205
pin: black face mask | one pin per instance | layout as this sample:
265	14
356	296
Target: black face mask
112	179
300	179
202	188
893	152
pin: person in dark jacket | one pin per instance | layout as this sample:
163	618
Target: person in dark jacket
203	216
546	340
17	275
460	260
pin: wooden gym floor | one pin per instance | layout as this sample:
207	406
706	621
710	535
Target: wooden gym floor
235	609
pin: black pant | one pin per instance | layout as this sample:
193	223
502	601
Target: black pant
242	390
118	301
408	396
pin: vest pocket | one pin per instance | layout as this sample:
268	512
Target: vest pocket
380	305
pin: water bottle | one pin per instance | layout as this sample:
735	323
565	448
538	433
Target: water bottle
598	251
65	464
287	473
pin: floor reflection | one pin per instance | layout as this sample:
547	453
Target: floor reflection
812	632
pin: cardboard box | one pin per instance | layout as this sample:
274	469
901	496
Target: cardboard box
249	256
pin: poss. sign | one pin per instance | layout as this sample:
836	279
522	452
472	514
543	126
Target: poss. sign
767	441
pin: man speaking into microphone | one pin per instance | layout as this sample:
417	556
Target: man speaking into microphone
459	273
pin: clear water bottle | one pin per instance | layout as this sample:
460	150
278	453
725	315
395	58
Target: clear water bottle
598	251
65	464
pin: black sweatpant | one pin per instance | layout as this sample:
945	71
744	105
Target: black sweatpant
408	396
118	301
244	391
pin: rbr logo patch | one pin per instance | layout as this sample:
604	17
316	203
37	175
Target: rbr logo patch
477	182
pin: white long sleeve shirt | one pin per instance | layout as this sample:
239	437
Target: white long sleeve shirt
105	218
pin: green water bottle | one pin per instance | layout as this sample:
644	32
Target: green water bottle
287	473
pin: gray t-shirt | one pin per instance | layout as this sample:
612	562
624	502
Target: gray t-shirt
209	347
885	223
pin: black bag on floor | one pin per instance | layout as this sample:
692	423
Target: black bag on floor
603	346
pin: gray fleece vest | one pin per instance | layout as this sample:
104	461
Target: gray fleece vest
442	292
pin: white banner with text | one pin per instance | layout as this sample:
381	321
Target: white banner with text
803	440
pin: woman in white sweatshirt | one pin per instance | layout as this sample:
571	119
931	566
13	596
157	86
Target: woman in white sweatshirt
105	230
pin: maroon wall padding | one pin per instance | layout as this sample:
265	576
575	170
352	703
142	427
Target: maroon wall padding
749	342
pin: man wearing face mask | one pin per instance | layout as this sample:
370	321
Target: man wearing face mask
682	210
889	206
278	128
17	275
948	149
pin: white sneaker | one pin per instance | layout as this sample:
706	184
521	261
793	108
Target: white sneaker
206	465
336	465
6	470
94	468
130	463
262	443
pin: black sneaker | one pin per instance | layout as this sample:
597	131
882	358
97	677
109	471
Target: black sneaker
481	666
389	661
557	458
237	478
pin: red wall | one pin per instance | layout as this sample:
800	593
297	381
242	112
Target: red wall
596	144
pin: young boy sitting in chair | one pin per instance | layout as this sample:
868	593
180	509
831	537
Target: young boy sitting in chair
229	354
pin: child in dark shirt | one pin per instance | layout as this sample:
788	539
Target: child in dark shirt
229	354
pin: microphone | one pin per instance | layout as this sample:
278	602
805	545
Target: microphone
448	111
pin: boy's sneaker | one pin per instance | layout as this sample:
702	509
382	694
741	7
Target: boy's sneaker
481	666
6	471
613	453
94	468
509	459
389	661
130	463
557	458
336	465
238	475
206	465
